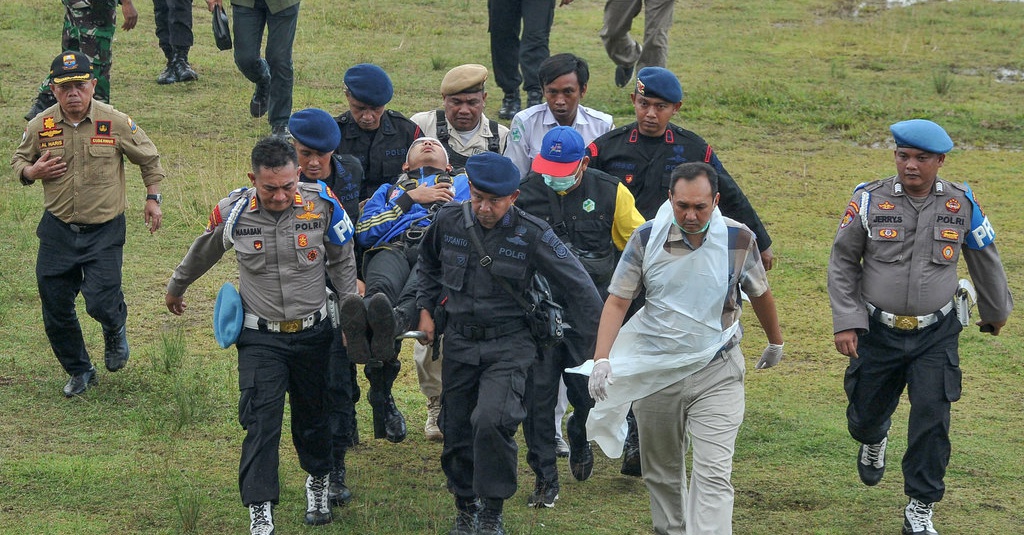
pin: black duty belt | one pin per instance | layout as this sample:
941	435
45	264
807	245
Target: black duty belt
487	332
79	228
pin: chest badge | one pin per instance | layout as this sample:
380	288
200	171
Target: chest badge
953	205
628	179
308	212
950	234
48	123
947	252
888	233
258	245
303	240
312	254
886	205
588	205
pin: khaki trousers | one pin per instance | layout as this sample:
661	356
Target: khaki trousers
703	411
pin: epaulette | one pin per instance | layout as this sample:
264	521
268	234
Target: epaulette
393	113
601	175
869	186
526	216
963	187
237	206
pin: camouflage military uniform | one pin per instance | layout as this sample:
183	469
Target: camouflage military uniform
89	28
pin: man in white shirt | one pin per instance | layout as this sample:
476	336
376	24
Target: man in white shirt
564	78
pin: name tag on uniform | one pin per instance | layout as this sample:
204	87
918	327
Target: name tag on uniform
103	141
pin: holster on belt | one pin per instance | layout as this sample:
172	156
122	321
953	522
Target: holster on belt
964	298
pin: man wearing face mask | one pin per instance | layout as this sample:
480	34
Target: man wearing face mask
594	215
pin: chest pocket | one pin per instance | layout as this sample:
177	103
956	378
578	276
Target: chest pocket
309	247
886	242
946	247
251	254
592	234
513	270
104	158
453	268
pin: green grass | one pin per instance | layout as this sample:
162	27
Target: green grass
795	96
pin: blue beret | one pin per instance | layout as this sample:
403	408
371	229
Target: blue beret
369	84
492	173
315	129
227	315
921	134
659	82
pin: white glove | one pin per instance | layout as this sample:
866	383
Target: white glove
600	378
770	357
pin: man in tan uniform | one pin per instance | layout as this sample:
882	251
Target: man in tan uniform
461	125
76	148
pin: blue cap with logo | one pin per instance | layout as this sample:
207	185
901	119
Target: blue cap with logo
659	82
492	173
560	152
227	315
369	84
315	128
921	134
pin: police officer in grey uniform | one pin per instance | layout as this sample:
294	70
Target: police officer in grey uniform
488	346
283	232
892	277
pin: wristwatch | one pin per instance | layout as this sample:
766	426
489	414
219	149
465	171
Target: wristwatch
155	197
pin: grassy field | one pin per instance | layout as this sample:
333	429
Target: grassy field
796	96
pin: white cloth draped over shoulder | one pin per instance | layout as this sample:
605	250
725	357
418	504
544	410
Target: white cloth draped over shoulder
676	333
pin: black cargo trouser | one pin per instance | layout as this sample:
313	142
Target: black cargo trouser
270	364
927	363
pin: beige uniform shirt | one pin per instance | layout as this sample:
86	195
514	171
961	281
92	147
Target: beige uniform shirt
427	121
92	191
903	259
280	258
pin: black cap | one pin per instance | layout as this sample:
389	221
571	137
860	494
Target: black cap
70	66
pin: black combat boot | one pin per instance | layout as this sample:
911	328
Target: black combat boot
168	76
43	100
339	493
388	421
489	519
182	70
465	520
